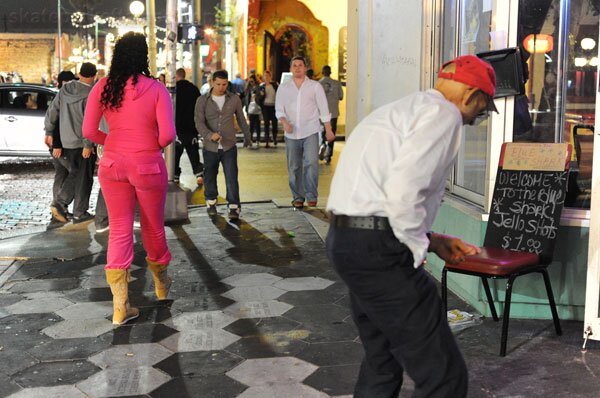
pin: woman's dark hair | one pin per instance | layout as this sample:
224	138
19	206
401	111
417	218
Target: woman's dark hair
130	59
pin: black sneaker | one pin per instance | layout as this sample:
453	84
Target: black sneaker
59	213
82	218
211	210
234	214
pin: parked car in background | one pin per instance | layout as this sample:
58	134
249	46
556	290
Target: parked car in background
22	110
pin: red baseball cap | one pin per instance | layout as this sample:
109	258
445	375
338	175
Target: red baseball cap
473	72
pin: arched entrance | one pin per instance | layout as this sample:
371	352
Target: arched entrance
288	42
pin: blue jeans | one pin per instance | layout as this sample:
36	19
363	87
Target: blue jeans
303	167
211	168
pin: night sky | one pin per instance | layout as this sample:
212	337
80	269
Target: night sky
40	16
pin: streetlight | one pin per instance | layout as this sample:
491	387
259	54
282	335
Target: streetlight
136	8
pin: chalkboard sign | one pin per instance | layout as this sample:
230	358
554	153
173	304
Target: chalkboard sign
529	195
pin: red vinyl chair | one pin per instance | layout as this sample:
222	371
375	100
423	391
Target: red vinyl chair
495	263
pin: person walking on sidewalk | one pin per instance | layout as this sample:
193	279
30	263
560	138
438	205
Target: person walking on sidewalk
67	110
60	162
139	113
266	100
214	114
334	94
186	94
253	110
379	234
301	105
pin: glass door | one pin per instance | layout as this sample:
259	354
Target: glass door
591	324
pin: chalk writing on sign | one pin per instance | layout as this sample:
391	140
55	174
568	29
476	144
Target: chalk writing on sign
542	157
526	209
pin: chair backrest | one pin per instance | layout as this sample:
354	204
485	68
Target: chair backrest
529	194
583	137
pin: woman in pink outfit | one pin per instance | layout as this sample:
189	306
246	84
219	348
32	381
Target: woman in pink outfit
139	113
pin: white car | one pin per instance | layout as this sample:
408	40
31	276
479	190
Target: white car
22	110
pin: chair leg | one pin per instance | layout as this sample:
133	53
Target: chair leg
490	300
551	301
445	289
505	318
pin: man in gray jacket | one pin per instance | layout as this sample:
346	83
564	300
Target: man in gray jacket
68	108
213	117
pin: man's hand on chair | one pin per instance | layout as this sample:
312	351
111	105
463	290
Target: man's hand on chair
450	248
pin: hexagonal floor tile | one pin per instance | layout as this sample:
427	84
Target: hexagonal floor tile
268	371
205	386
45	392
38	295
134	333
200	320
116	382
253	293
199	340
303	283
257	309
43	285
199	364
69	349
39	305
131	355
337	380
75	328
93	310
51	374
282	390
261	279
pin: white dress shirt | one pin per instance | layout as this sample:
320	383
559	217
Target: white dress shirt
395	164
303	107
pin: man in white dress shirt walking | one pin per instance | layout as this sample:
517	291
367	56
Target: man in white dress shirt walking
384	197
300	106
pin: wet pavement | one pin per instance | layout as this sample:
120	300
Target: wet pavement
255	311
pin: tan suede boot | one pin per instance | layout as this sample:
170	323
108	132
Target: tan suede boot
162	282
118	280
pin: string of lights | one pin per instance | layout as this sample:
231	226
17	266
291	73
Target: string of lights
77	19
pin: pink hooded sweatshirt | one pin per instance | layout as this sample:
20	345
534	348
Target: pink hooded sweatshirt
143	123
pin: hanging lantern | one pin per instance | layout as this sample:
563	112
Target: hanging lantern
538	44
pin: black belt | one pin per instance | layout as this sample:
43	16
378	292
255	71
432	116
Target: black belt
361	222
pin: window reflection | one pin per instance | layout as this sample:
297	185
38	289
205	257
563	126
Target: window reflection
475	26
536	112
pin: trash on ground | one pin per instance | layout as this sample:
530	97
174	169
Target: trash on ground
460	320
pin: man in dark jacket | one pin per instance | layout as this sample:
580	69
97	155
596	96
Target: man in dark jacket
186	95
69	104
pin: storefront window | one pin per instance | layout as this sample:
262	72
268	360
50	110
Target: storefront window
555	109
475	26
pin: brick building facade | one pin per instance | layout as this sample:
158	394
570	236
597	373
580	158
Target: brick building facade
29	54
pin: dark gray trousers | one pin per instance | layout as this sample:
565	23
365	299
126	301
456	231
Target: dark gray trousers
399	316
78	184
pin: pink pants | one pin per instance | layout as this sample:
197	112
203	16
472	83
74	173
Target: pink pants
123	178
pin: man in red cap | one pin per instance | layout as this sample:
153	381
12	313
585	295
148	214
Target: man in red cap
384	196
